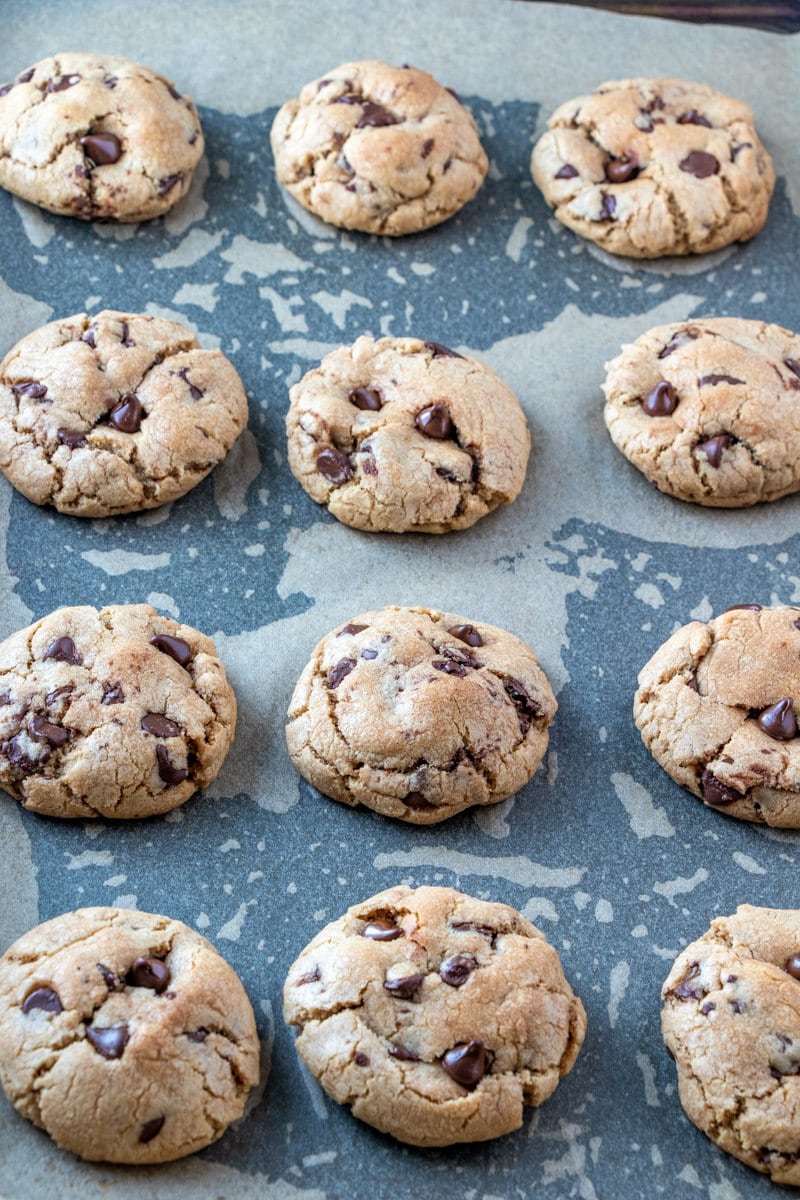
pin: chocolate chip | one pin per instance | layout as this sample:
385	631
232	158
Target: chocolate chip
748	607
699	164
457	969
18	756
338	673
61	85
149	973
439	351
175	95
110	81
113	694
5	89
44	998
466	1063
127	414
566	172
527	708
168	183
367	399
361	1060
463	657
450	476
29	388
46	731
793	365
608	207
5	698
379	929
434	421
310	977
88	337
716	793
72	438
352	629
111	978
707	1006
159	725
713	380
334	465
741	146
792	966
692	682
369	654
405	988
27	77
175	647
450	668
454	94
467	633
620	170
375	115
402	1054
693	117
124	338
661	401
686	988
101	148
779	721
170	774
714	447
150	1129
194	392
471	927
427	146
678	339
417	801
109	1041
63	650
197	1035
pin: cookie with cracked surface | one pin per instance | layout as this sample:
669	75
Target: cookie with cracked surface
113	713
650	167
709	410
114	413
378	148
124	1035
97	137
437	1017
406	436
419	714
718	707
731	1021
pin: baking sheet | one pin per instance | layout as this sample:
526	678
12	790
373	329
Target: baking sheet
616	864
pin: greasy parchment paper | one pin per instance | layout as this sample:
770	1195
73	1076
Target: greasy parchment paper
618	866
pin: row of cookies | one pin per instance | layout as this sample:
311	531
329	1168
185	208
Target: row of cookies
644	167
436	1017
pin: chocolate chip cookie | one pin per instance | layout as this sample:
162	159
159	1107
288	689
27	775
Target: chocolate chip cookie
406	436
709	410
117	713
419	714
114	413
648	167
731	1021
378	148
435	1016
124	1035
718	708
97	137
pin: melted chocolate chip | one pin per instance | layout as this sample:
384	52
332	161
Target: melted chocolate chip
608	207
402	1054
699	164
439	351
18	757
692	682
29	388
369	654
693	117
124	336
168	183
713	448
779	721
793	365
151	1129
149	973
381	930
527	708
101	148
169	773
457	969
352	629
159	725
434	422
113	694
175	647
707	1006
678	339
367	399
88	337
334	465
450	668
339	672
127	414
792	966
5	89
27	76
742	146
112	980
687	988
45	998
713	380
716	793
620	170
361	1060
46	731
747	607
427	146
416	801
566	172
63	650
661	401
405	988
72	438
57	693
194	392
466	1063
467	633
197	1035
61	85
110	1041
375	115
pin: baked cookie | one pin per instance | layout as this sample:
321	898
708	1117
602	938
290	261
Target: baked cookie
419	714
435	1016
718	708
114	413
97	137
731	1021
406	436
117	713
378	148
709	410
124	1035
648	167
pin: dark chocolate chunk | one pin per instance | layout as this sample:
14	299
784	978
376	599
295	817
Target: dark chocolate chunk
46	999
338	673
693	117
18	757
101	148
742	146
679	338
27	76
608	207
175	647
169	773
566	172
5	89
352	629
439	351
527	708
63	650
713	448
334	465
779	721
379	929
457	969
661	401
88	337
792	966
470	927
168	183
111	978
109	1041
366	398
467	633
149	973
434	421
64	82
793	365
113	694
450	668
427	146
72	438
417	801
402	1054
692	682
124	338
46	731
127	414
29	388
620	170
707	1006
466	1063
110	81
159	725
716	793
151	1129
57	693
361	1060
405	988
197	1035
700	164
687	988
194	392
375	115
713	380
